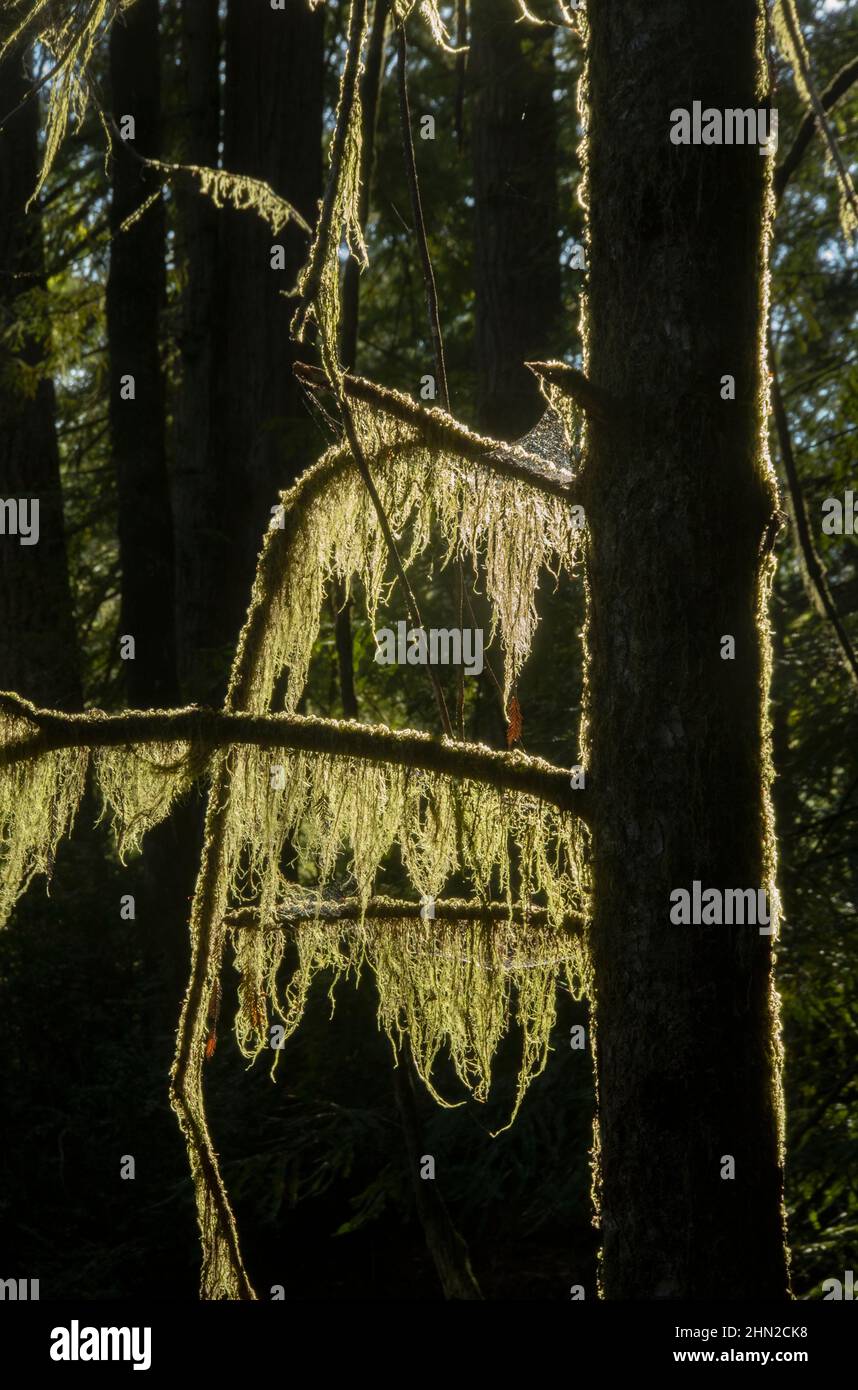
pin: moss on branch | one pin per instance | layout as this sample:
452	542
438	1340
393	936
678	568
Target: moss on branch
438	430
210	729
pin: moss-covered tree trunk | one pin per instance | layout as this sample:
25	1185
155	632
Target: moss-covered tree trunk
679	503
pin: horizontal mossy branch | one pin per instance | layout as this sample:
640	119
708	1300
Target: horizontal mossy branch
384	908
210	729
438	429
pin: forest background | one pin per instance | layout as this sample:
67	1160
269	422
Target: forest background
165	500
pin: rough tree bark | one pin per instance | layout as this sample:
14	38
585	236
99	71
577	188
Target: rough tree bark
516	250
680	502
135	296
38	643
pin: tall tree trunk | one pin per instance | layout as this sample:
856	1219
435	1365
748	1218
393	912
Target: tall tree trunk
135	296
679	497
202	543
516	252
136	289
272	131
38	642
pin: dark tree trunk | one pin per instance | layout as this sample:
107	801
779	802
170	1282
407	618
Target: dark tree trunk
516	251
38	643
679	496
202	545
135	296
273	131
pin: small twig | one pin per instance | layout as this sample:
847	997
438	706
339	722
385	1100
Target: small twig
805	75
417	214
837	87
381	908
460	69
595	402
813	570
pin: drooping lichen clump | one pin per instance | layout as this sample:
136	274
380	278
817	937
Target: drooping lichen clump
327	527
39	798
40	793
445	987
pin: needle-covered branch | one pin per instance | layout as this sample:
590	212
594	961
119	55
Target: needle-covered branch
208	729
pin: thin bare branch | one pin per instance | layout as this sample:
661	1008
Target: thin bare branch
595	402
807	85
412	607
813	570
837	87
417	214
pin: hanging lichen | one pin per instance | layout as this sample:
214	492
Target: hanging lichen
40	794
239	191
334	808
444	986
140	783
339	213
39	798
327	528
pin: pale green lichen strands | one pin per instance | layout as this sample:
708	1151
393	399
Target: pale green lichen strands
339	214
344	817
239	191
69	33
330	530
39	798
444	988
140	784
432	15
